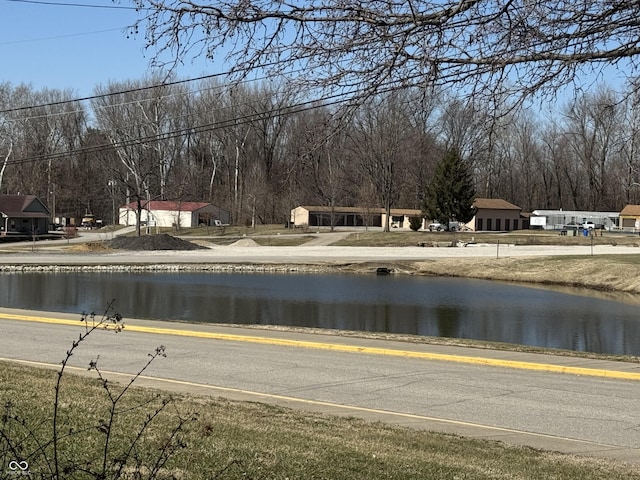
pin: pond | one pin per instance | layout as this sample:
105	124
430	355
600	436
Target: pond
443	307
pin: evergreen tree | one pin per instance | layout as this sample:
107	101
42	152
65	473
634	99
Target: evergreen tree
450	195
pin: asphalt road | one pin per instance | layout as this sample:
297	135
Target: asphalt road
567	404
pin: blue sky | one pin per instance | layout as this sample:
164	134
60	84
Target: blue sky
50	44
77	48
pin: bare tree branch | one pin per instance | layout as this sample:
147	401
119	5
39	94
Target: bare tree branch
486	46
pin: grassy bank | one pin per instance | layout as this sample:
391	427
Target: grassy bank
229	440
604	273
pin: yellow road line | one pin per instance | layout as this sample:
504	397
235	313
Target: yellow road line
494	362
304	401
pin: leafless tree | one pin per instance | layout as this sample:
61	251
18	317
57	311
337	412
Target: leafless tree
466	126
206	148
6	146
591	127
365	47
268	113
629	172
122	113
317	160
567	173
525	171
220	148
166	114
6	134
378	141
45	128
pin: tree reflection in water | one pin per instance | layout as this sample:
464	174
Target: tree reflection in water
445	307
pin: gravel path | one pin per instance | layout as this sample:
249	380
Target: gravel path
295	255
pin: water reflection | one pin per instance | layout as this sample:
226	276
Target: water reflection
444	307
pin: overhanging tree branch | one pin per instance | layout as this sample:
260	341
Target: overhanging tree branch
486	46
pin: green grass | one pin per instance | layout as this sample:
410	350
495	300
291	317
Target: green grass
231	440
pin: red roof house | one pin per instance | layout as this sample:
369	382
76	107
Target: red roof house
169	213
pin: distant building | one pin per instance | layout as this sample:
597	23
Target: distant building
23	215
497	215
491	215
163	213
630	218
560	219
319	216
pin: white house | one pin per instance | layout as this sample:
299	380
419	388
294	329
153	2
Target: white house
163	213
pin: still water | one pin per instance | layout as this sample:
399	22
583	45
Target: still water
443	307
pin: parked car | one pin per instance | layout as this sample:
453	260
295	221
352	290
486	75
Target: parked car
452	227
589	226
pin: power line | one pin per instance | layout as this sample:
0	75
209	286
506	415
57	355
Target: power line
111	94
335	99
324	102
69	35
124	103
141	89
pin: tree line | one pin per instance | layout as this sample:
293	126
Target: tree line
258	149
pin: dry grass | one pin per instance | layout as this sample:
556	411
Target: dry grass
283	240
519	237
605	273
89	247
230	440
230	231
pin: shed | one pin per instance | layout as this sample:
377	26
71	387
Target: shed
164	213
23	215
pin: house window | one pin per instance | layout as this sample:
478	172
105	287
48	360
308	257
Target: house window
515	224
479	222
397	221
498	223
507	224
489	225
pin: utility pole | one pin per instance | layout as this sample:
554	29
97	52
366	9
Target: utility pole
112	187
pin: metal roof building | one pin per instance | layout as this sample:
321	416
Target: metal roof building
558	219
